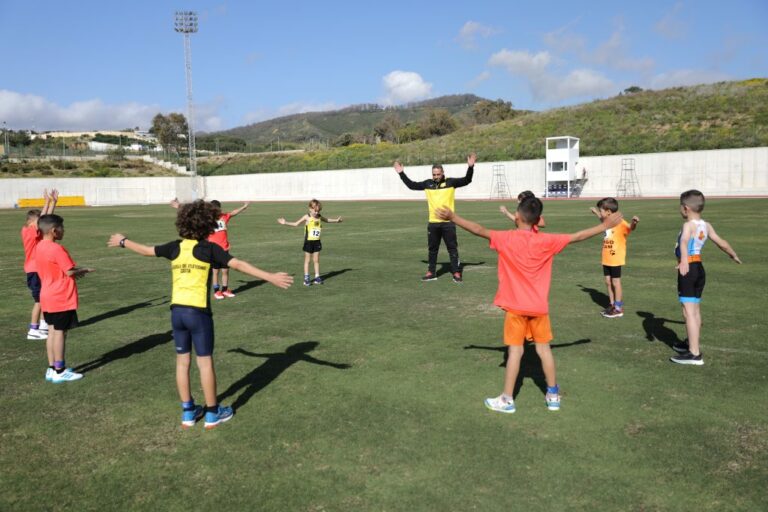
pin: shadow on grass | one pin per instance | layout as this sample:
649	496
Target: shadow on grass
445	266
331	275
655	330
123	311
598	297
530	364
247	285
275	364
131	349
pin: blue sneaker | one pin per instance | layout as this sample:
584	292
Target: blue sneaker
500	404
553	402
307	282
213	419
190	417
318	280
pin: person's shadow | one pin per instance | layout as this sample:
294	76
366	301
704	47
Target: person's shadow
123	311
247	285
530	364
334	273
598	297
275	364
655	330
136	347
445	266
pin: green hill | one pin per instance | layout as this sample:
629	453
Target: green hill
325	127
711	116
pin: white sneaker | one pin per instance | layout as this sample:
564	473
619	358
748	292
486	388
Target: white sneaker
37	334
49	374
67	375
553	402
500	404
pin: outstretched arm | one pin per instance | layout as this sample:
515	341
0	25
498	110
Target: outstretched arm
282	221
634	222
595	211
722	244
175	203
473	227
239	210
467	179
331	221
78	272
507	213
119	240
279	279
610	221
405	179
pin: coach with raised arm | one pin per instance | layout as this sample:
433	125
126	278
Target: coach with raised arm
440	194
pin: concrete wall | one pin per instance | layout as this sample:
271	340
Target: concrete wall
716	172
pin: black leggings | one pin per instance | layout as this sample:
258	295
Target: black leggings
437	231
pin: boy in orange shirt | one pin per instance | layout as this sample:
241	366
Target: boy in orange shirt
58	297
30	237
614	255
525	273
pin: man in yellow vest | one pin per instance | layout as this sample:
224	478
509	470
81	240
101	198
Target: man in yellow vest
440	194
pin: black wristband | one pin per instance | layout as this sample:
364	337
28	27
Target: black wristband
122	243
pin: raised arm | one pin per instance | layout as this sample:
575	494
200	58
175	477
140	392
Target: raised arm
50	201
405	179
119	240
610	221
175	203
722	244
473	227
282	221
507	213
237	211
467	179
595	212
634	222
279	279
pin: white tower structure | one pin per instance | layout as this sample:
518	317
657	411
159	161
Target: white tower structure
561	159
186	24
499	185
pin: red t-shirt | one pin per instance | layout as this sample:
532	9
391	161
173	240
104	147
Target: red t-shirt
219	236
525	269
30	237
59	291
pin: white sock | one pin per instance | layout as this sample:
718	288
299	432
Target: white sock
43	324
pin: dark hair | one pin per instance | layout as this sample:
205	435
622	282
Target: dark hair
608	203
33	214
215	203
530	210
525	194
49	222
438	166
693	199
197	220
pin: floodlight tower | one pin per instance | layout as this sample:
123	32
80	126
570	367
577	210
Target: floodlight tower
186	23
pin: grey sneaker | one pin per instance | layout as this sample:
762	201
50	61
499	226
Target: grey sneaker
681	347
688	358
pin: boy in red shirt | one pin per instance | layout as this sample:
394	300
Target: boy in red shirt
58	297
525	273
30	236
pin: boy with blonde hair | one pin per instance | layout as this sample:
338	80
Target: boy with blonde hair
525	273
691	277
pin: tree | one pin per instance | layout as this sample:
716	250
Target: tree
633	89
439	122
345	139
488	112
170	130
388	127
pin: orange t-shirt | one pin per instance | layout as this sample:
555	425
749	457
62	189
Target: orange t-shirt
219	236
30	237
525	269
59	291
615	245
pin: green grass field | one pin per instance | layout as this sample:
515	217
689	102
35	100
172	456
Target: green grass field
404	426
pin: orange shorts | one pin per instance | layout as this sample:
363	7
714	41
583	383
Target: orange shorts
518	328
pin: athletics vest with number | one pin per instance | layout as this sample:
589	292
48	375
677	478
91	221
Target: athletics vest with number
314	228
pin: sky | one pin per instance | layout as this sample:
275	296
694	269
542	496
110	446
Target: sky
89	65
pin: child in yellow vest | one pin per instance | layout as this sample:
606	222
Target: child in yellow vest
313	225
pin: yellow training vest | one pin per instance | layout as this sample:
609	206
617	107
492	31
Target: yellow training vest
190	277
314	228
441	197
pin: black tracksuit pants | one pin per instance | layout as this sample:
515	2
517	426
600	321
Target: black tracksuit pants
437	231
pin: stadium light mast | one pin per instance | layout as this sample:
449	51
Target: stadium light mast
186	24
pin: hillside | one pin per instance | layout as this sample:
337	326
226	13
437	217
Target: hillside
357	119
712	116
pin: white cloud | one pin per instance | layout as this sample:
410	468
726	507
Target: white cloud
403	87
669	26
544	84
256	116
471	30
482	77
683	77
25	111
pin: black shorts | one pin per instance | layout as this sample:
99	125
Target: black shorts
34	285
613	272
691	285
217	266
192	326
311	246
62	320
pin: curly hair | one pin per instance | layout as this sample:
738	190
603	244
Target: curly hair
197	220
